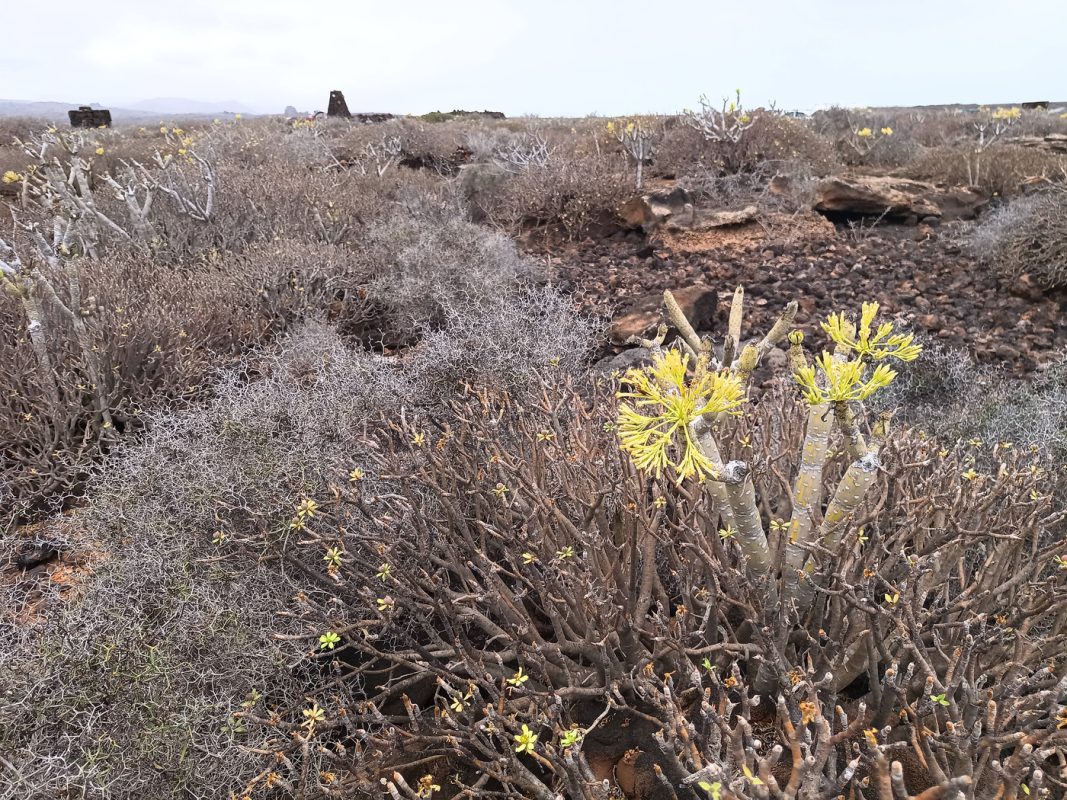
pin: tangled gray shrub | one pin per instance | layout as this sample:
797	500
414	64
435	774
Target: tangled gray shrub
951	397
131	689
1028	236
507	342
427	259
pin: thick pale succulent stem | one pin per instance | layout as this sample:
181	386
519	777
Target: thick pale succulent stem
733	331
734	497
852	489
679	321
748	526
807	494
854	441
38	340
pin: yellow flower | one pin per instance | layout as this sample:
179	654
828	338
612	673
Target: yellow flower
328	640
519	678
868	343
745	119
1007	113
674	402
500	490
307	508
751	776
333	556
11	176
356	475
841	381
864	133
182	151
384	571
526	741
419	439
312	716
571	737
100	151
426	786
887	131
970	474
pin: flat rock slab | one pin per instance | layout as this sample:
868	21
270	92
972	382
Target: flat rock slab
877	195
700	220
1053	142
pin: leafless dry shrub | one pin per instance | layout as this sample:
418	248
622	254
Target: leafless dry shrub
434	147
157	334
1005	167
19	128
865	137
509	342
167	671
572	192
681	152
933	127
1027	236
1038	122
950	397
427	259
775	138
140	685
539	582
772	146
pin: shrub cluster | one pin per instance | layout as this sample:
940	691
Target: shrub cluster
1027	237
372	580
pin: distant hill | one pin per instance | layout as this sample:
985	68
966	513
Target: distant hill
143	111
183	105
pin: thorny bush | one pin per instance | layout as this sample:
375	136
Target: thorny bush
1028	237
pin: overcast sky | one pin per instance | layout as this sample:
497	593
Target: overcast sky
547	57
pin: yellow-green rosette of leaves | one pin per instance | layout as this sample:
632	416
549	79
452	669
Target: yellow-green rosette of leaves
662	402
830	380
868	342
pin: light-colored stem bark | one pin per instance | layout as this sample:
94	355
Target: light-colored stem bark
854	485
807	495
35	327
751	537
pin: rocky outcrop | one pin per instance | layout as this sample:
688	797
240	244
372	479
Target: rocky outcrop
651	210
677	210
1053	142
699	220
699	301
896	198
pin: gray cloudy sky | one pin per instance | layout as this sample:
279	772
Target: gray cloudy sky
549	57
